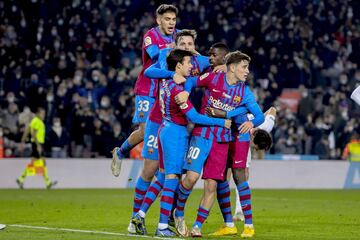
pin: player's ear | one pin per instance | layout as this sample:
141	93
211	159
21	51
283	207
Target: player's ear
158	19
178	65
232	67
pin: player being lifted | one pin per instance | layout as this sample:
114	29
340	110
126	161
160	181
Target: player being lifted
173	134
155	39
143	199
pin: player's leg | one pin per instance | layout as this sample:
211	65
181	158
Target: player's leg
242	185
143	199
214	171
143	105
239	215
197	153
172	139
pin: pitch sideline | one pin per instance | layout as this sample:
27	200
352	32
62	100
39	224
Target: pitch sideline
85	231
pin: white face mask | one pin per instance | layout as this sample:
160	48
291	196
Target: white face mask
11	99
49	98
57	124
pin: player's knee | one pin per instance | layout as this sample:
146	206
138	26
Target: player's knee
191	179
239	175
210	186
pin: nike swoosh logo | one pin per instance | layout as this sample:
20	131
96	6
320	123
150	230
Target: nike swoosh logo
237	162
214	90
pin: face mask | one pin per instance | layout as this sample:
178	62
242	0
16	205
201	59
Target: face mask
50	98
304	94
95	78
104	103
57	124
11	99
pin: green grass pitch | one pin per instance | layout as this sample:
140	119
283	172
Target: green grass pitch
278	214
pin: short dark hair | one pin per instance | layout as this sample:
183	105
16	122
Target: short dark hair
185	32
222	46
163	8
236	57
262	139
176	56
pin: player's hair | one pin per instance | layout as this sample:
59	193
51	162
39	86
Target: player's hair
185	32
236	57
163	8
262	139
222	46
176	56
39	109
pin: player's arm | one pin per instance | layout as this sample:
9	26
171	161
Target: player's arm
38	145
149	44
254	108
193	116
204	62
154	71
269	122
214	112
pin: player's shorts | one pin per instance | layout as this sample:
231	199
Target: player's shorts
150	148
143	104
199	149
173	142
216	164
35	153
238	154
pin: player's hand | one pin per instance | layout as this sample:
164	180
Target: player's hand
227	123
195	52
214	112
220	68
182	97
245	127
178	79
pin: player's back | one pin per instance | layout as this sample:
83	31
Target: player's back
171	111
154	41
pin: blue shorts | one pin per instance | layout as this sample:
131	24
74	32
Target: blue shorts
174	141
199	149
150	148
143	104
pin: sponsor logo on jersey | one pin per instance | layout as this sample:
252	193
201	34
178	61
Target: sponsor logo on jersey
204	76
220	105
147	41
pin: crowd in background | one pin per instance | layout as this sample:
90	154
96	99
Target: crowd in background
79	59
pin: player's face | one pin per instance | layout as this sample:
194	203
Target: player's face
186	43
242	70
185	66
42	114
167	23
216	57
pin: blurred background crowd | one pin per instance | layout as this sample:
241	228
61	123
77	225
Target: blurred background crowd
80	58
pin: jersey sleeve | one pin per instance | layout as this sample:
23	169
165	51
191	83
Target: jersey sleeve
150	46
193	116
154	71
253	107
268	124
237	111
204	62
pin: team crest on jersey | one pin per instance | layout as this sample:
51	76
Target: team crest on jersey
147	41
237	99
184	106
204	76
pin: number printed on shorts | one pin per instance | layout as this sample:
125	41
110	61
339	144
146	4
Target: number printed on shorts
193	152
152	142
143	106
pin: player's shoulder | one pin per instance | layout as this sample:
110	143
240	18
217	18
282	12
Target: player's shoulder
207	75
150	37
